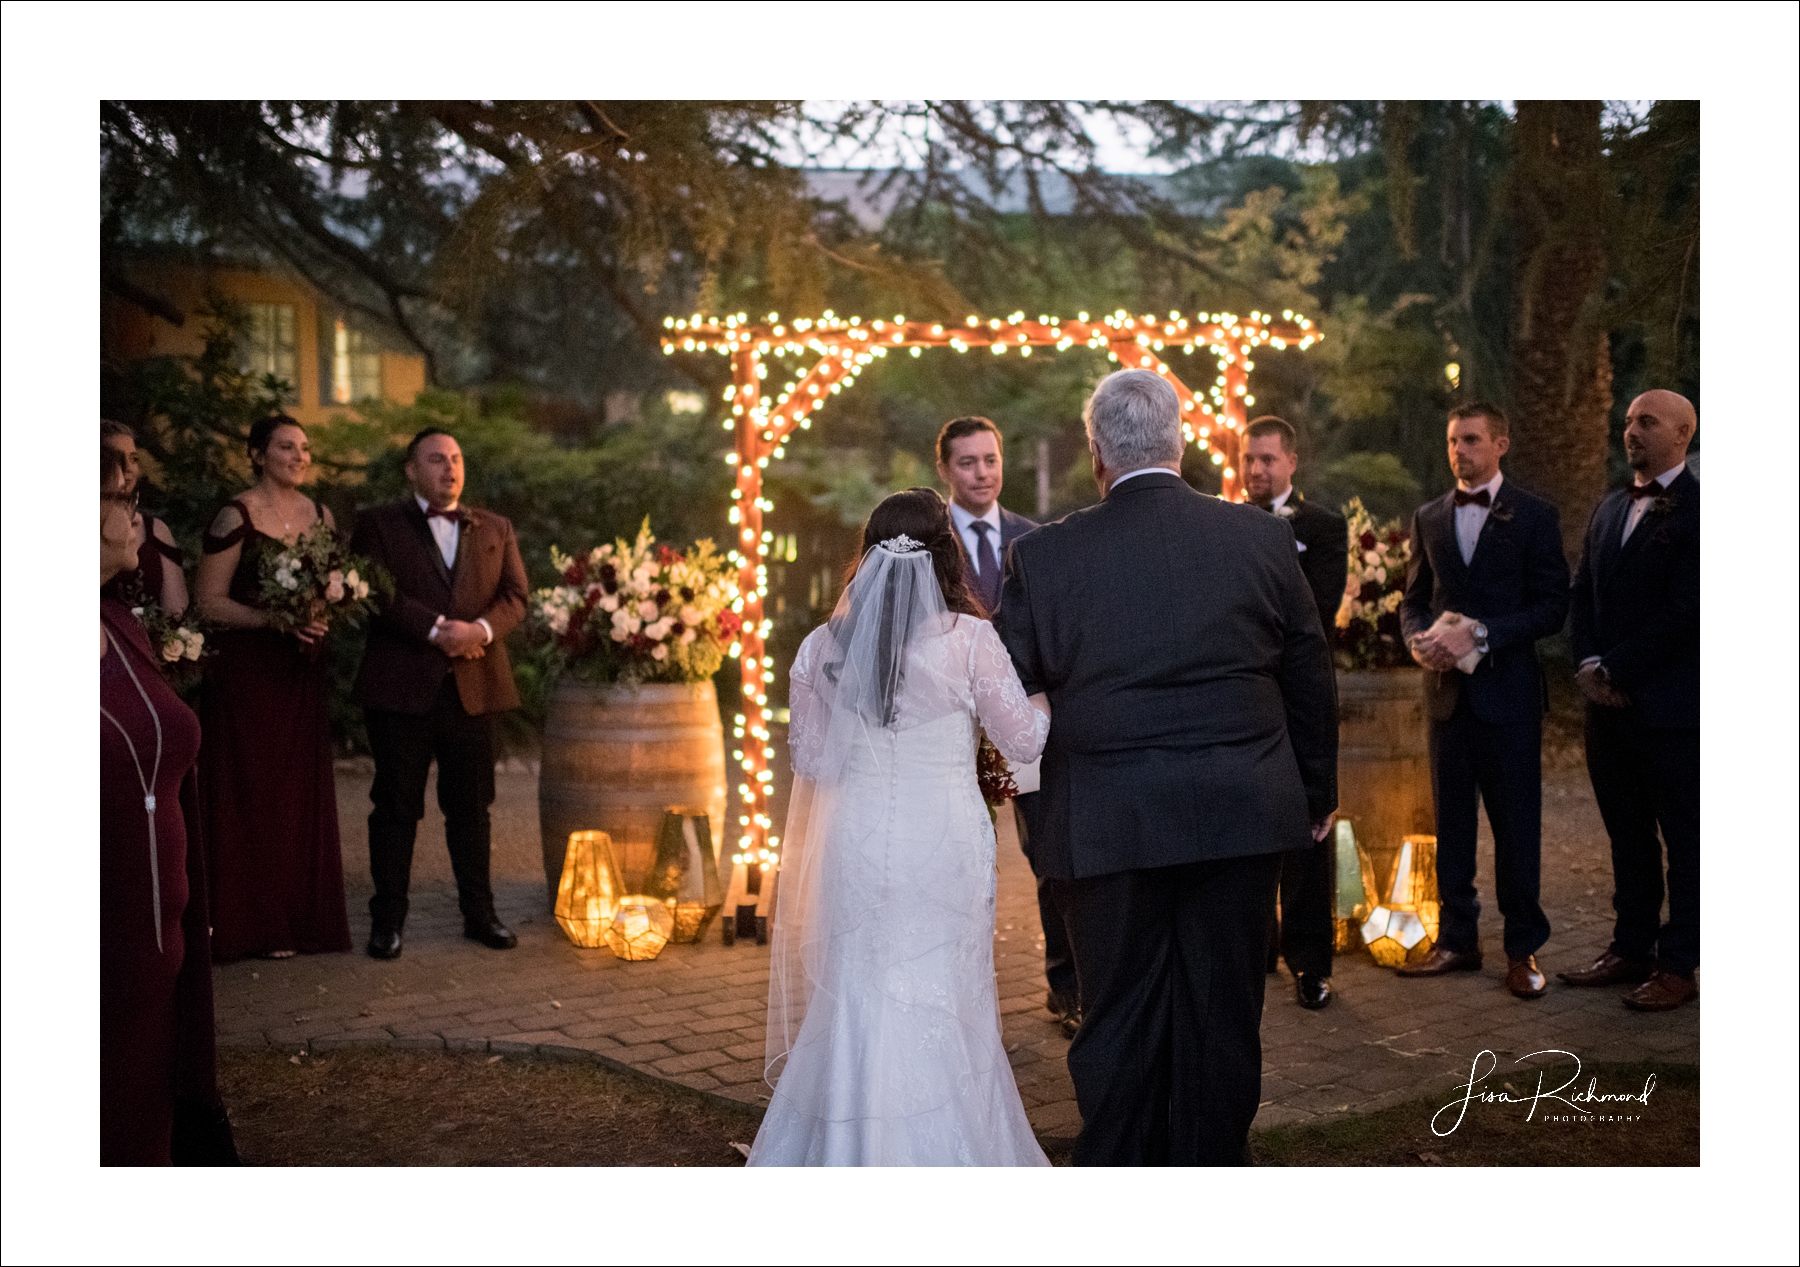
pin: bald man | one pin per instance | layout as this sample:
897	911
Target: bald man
1635	625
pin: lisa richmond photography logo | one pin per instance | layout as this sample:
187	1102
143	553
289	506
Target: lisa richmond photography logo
1549	1100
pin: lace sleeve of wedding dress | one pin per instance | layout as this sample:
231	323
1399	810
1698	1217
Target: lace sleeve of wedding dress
806	728
1011	723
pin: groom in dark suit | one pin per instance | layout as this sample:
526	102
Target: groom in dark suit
971	462
1303	933
1487	580
434	673
1635	625
1193	743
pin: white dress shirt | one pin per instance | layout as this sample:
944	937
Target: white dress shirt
1470	518
447	533
1640	506
970	538
1142	470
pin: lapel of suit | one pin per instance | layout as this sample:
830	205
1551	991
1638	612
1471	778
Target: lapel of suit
422	530
1501	510
1443	529
1651	521
1611	523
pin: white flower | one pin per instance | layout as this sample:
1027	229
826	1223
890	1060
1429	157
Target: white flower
659	652
352	579
690	615
609	603
334	588
647	609
687	635
619	635
624	625
659	630
138	612
362	588
194	642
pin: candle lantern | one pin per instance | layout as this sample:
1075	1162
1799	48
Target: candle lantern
686	872
641	928
1404	928
1355	896
587	896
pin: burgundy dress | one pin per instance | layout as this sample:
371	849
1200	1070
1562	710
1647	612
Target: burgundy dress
266	782
156	1009
144	580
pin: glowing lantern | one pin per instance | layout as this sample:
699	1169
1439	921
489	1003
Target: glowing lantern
587	896
641	928
1405	927
1355	896
686	873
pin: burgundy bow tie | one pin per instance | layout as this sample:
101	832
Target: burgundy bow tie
451	515
1477	498
1636	491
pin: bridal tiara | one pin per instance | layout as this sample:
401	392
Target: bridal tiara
902	544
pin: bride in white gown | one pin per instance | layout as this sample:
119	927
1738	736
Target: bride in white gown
884	1044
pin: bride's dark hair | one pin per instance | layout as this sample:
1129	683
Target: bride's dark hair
921	514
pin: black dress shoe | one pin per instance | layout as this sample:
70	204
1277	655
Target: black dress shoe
1312	990
1440	961
384	943
1070	1023
1059	1004
490	932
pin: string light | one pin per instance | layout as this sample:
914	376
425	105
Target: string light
845	347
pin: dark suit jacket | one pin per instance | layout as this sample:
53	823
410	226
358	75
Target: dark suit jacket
1517	584
1012	527
403	670
1637	605
1325	561
1194	708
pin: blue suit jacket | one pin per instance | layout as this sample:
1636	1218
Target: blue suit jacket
1636	605
1516	583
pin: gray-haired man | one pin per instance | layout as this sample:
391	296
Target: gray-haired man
1195	742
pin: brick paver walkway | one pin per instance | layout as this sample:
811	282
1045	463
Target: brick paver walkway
695	1015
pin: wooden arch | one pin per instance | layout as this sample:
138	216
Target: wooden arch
762	420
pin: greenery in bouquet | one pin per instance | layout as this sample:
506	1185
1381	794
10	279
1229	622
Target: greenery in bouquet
315	577
180	644
1368	633
638	612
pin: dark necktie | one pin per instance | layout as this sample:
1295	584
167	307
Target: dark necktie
1477	498
987	581
1636	491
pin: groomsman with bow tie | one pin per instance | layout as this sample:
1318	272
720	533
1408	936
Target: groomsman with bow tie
971	462
434	673
1635	626
1308	876
1488	579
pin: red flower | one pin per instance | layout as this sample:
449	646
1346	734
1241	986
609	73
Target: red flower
609	576
1369	593
730	623
678	629
667	554
661	596
1396	537
687	594
574	572
1367	540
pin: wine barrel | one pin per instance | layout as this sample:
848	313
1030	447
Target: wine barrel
615	758
1384	761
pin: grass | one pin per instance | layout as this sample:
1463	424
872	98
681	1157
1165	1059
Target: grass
382	1107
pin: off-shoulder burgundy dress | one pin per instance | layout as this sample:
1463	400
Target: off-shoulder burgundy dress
145	580
266	781
159	1099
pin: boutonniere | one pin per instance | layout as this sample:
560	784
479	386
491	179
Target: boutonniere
1662	504
1286	510
1500	511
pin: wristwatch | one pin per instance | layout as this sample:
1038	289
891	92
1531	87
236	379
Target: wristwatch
1481	638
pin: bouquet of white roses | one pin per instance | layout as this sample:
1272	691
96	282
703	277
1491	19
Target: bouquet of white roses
638	611
316	578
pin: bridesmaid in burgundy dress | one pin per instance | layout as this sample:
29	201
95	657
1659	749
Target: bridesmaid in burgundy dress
265	766
159	1100
156	568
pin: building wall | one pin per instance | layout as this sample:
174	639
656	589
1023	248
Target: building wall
128	333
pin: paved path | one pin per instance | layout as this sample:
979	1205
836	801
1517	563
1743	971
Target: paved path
695	1014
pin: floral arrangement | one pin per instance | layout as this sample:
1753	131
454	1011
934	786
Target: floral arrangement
174	640
994	776
1368	624
316	578
638	612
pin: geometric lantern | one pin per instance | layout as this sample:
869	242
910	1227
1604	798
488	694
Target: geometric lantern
1355	893
641	928
686	873
1405	927
587	896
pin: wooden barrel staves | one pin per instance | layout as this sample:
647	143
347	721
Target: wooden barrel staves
1384	763
616	757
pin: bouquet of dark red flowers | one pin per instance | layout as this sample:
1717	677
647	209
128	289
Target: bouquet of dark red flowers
994	776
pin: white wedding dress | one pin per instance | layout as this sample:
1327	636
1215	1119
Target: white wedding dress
884	1026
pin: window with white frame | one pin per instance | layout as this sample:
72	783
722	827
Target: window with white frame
268	345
